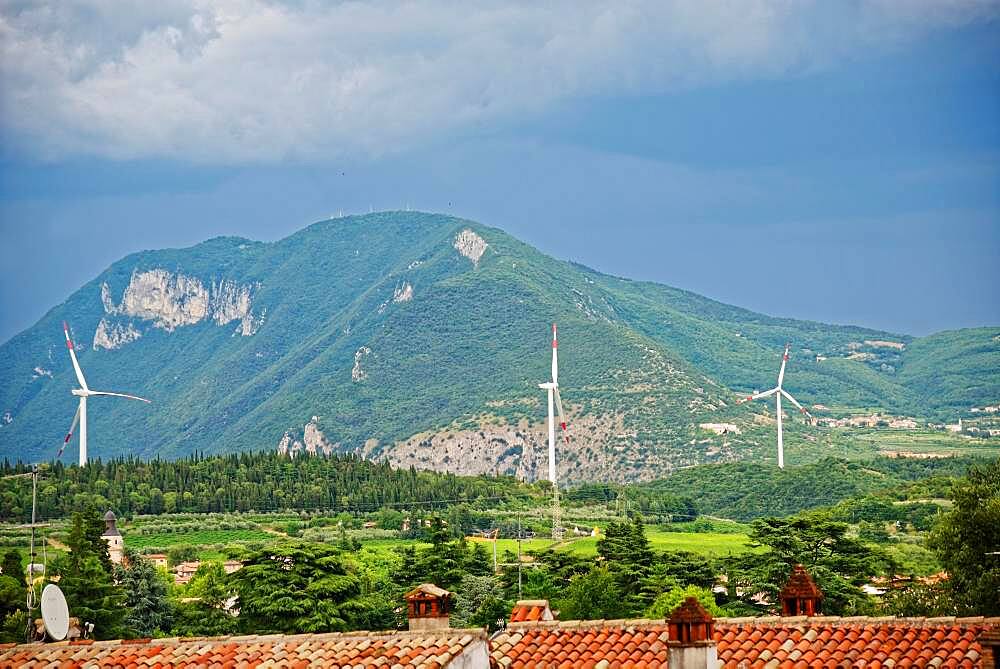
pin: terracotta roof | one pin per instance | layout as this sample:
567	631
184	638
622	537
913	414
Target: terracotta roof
791	643
528	610
423	650
581	643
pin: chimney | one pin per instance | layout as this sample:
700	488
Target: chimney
691	644
800	596
989	641
428	607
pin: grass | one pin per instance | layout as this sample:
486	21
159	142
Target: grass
199	538
708	544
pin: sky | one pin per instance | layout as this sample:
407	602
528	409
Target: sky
837	162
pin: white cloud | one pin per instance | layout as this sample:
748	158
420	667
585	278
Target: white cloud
262	81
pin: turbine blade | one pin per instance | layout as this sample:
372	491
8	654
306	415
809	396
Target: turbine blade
72	355
792	400
131	397
562	416
757	396
69	435
784	361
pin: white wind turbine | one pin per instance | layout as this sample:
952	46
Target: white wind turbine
778	391
83	392
555	402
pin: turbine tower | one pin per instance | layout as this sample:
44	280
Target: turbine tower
83	392
778	391
555	402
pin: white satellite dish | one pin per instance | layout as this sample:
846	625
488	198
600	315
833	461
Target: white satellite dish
55	613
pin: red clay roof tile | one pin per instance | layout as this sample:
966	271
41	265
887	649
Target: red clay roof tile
781	642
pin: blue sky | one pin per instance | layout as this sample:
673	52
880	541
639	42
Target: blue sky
831	161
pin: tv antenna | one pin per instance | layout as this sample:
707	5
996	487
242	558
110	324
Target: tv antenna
30	602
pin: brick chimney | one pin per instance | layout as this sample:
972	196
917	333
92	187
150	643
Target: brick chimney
800	596
428	607
989	641
691	644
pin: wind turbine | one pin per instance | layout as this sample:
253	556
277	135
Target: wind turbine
778	391
83	392
555	402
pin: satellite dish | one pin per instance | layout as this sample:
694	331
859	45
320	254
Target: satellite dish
55	613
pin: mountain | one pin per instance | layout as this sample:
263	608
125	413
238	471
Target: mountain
421	338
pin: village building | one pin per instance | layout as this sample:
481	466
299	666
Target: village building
158	559
114	539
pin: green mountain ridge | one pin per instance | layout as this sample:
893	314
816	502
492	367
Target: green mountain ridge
388	335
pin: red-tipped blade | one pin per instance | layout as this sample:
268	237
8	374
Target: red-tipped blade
69	435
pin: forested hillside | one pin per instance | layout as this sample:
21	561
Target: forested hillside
421	338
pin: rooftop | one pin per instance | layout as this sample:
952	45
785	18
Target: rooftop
793	642
409	650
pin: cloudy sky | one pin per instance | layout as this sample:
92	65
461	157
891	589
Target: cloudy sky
837	161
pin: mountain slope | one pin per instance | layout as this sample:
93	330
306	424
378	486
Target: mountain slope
422	338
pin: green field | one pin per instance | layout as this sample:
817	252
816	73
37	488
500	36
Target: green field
199	538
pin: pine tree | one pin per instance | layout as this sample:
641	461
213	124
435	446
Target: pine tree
85	577
297	587
145	596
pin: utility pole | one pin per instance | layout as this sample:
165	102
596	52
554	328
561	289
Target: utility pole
519	555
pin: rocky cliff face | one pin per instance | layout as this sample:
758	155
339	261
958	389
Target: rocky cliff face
168	301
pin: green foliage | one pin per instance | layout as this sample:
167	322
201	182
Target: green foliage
85	577
297	587
625	550
745	490
240	482
477	603
667	602
967	541
592	596
202	607
919	600
145	591
837	563
14	627
13	566
182	553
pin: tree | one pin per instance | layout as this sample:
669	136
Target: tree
297	587
145	596
203	609
179	554
85	577
967	541
626	552
477	603
592	596
667	601
839	564
14	567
